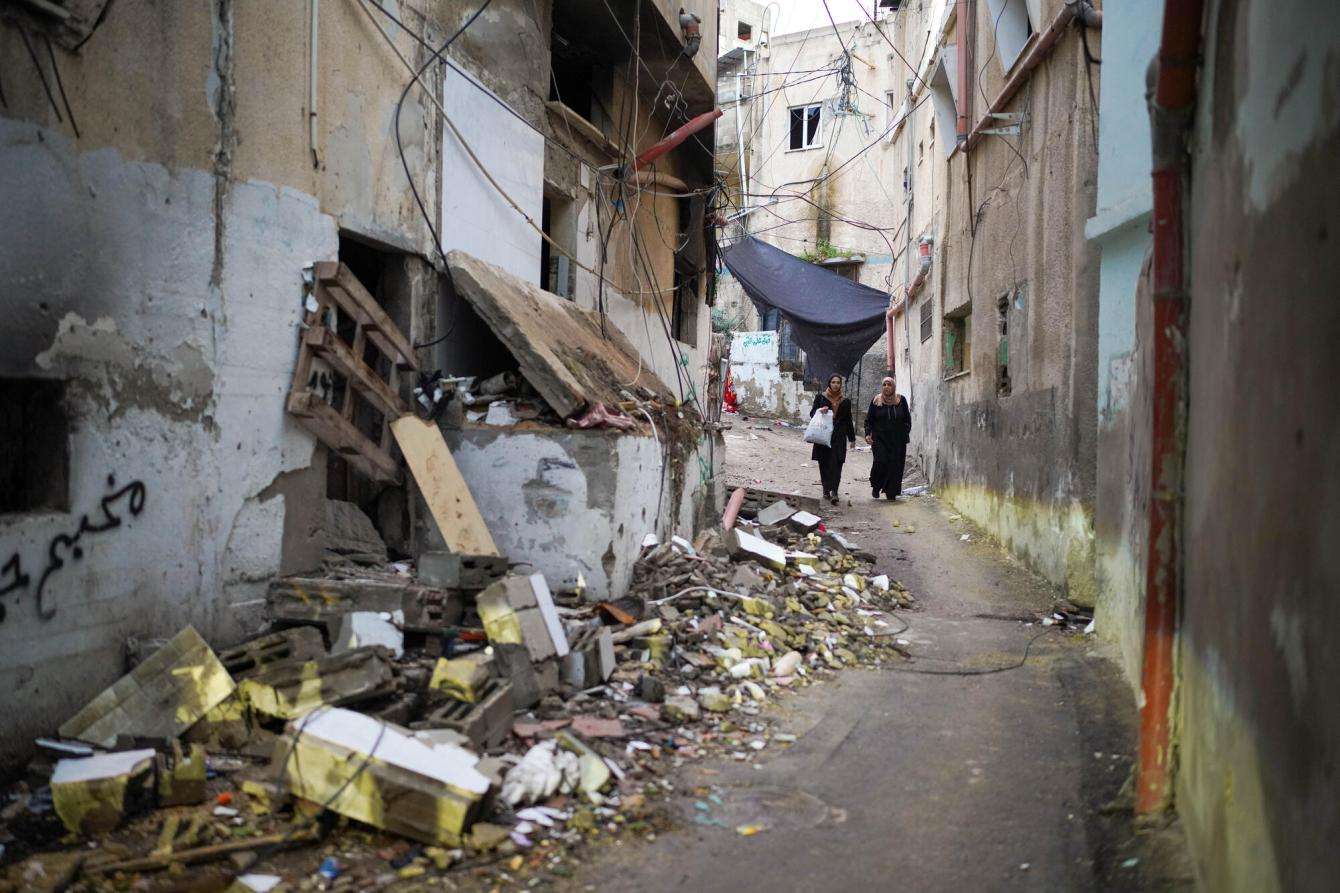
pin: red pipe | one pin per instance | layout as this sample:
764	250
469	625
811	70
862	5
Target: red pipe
963	12
1170	115
675	138
732	509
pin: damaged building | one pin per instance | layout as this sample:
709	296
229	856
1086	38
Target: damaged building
244	242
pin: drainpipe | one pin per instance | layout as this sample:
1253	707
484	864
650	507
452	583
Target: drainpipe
311	86
1173	76
674	139
963	13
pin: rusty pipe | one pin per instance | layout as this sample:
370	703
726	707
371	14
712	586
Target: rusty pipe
1022	70
732	508
678	136
963	13
1173	95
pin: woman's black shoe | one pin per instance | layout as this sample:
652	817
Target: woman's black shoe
874	494
892	497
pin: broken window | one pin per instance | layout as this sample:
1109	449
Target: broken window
806	123
559	222
744	31
685	311
1012	24
957	334
944	96
34	446
1003	345
927	320
579	76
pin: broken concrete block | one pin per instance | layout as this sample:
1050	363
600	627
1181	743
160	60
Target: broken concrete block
160	698
680	709
427	793
350	535
486	723
93	794
462	678
808	559
804	521
746	578
593	774
747	547
452	570
297	643
650	689
838	542
774	514
714	700
520	611
512	662
881	582
322	602
682	545
362	628
289	690
590	660
181	778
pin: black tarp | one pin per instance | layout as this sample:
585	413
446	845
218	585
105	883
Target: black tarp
834	320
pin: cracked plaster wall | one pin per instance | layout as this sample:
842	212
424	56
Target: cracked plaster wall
575	502
1259	723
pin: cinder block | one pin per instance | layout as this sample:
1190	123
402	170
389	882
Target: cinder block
486	723
454	570
776	513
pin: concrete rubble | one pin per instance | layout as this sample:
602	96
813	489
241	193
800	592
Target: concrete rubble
392	727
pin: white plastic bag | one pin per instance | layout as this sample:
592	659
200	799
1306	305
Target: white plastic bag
820	429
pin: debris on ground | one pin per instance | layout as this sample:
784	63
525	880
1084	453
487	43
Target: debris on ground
445	715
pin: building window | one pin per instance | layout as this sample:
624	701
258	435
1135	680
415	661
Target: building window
891	112
684	313
1003	384
1012	24
944	97
34	446
850	271
927	320
958	350
806	126
558	219
744	31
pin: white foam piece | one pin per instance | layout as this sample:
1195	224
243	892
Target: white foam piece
103	765
545	599
359	733
360	628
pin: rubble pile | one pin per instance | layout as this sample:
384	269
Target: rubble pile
391	726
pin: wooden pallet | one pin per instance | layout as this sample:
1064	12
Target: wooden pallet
336	289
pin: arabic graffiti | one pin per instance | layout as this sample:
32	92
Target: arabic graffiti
67	546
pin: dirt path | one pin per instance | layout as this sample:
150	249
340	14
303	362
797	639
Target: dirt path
918	777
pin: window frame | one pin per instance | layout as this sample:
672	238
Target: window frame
819	130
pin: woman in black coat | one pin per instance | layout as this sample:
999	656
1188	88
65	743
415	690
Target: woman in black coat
831	458
888	425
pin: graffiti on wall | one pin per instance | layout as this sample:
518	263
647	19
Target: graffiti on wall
65	547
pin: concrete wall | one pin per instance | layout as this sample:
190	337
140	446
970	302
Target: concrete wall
1259	720
762	386
580	502
155	264
1120	231
1020	464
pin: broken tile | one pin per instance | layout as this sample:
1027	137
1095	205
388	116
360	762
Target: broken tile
93	794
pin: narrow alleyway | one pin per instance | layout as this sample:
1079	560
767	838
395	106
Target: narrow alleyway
914	775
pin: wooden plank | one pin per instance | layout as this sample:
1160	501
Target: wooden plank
331	348
343	437
333	294
448	497
341	279
559	347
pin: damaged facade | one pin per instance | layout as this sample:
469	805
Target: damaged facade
181	182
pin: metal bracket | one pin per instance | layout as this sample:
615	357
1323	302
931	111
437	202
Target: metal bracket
1014	123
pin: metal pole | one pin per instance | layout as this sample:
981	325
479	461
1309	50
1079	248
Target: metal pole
739	138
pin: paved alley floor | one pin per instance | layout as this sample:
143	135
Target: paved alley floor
915	776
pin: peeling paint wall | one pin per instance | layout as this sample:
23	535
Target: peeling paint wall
761	384
1258	718
577	502
155	264
1119	231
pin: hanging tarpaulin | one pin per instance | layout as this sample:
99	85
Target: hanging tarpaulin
834	320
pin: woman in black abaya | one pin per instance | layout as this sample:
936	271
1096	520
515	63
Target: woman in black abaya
888	425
